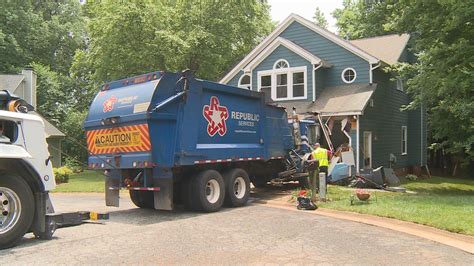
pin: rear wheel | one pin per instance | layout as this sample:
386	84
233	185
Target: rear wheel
16	209
237	187
207	191
143	199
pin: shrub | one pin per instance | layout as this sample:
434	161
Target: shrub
74	165
411	177
61	175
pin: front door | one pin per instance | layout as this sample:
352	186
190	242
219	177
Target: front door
367	150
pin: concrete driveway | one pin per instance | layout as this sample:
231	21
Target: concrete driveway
248	235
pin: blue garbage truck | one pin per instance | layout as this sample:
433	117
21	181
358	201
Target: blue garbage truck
172	138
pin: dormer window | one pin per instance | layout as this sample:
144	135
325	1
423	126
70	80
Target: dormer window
349	75
282	63
244	82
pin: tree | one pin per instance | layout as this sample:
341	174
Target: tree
45	32
443	76
319	18
362	19
169	35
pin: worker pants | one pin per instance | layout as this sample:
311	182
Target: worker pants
322	169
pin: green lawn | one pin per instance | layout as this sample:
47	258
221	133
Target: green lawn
87	181
445	203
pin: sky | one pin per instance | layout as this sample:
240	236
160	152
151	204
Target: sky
280	9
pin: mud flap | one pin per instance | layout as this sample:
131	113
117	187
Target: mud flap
44	206
163	198
112	183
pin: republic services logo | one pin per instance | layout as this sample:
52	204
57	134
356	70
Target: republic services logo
109	104
216	115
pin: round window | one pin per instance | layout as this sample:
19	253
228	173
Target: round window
349	75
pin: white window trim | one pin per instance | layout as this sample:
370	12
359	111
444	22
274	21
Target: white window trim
404	146
399	84
289	71
278	61
245	87
342	75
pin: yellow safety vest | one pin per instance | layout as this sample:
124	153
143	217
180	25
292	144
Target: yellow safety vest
321	155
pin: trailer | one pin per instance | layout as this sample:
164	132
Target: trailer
171	138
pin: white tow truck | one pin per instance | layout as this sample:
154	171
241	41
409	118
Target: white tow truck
26	176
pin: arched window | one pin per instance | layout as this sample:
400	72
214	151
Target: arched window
282	63
244	82
348	75
283	82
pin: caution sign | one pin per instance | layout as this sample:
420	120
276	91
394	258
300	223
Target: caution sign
119	140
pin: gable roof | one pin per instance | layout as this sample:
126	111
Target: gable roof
10	82
387	48
281	27
291	46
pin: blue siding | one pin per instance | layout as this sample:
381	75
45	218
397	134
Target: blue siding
417	146
321	75
235	80
385	121
293	59
337	56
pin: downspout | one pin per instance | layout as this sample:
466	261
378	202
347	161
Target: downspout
314	80
371	70
358	147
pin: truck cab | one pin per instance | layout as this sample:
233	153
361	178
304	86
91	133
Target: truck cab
26	174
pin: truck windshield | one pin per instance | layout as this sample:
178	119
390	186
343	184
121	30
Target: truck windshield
8	131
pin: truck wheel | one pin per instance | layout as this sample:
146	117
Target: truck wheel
208	191
186	194
17	208
143	199
237	188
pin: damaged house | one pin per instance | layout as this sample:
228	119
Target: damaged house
301	65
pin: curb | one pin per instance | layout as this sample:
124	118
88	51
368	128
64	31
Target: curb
459	241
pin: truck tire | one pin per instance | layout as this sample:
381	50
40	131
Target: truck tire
142	199
186	194
17	208
208	191
237	188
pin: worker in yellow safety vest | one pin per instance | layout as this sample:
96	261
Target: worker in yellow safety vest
321	155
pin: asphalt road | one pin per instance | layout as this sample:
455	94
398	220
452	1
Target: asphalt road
254	234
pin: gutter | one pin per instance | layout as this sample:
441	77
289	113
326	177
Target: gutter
371	70
314	80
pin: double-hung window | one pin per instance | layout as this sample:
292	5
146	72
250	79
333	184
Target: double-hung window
404	140
285	82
